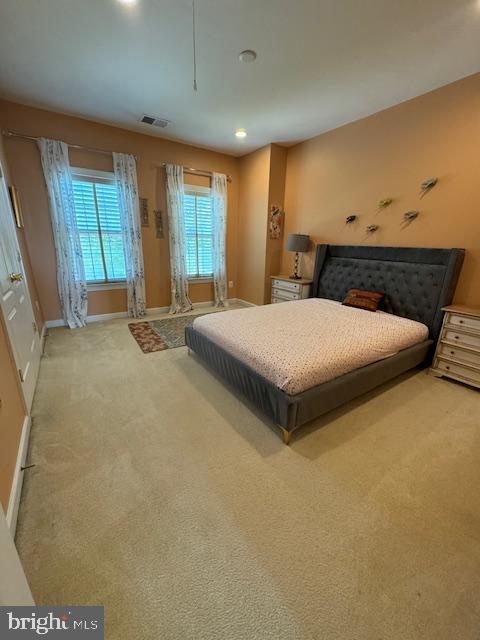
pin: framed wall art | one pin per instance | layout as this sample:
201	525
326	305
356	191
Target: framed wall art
275	222
144	212
159	232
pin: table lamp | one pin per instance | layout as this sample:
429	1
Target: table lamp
300	244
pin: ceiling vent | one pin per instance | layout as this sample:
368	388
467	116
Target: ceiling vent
155	122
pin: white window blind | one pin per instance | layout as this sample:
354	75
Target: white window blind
98	219
199	232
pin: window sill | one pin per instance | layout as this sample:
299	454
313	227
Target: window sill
200	280
105	286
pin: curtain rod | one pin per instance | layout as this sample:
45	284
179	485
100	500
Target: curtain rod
14	134
198	172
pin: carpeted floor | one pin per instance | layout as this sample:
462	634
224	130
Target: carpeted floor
159	494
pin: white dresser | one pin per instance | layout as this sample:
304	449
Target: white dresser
458	351
284	289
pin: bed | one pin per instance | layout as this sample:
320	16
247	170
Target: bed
328	364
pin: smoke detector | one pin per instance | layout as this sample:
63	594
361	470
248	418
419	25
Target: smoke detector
247	56
155	122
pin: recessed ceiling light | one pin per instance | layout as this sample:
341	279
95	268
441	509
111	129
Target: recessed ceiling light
247	56
241	133
129	3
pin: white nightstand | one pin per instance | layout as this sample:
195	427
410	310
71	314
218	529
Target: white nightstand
458	350
284	289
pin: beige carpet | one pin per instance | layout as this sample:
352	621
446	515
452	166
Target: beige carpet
159	494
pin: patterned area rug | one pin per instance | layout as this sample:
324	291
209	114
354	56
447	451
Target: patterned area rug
158	335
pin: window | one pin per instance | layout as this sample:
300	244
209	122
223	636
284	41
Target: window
98	219
198	214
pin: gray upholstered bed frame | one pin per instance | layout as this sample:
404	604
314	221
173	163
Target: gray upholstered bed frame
417	283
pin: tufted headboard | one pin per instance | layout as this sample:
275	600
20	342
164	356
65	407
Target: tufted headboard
417	282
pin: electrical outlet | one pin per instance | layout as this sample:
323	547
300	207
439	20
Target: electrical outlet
230	284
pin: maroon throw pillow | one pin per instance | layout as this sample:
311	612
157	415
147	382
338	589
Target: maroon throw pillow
368	300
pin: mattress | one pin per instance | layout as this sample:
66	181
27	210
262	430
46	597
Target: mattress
300	344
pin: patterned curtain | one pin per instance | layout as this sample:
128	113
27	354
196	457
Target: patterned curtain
126	178
176	232
219	202
72	287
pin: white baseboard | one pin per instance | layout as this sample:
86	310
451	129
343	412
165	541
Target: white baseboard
42	338
107	316
153	311
244	302
196	305
16	490
200	305
51	324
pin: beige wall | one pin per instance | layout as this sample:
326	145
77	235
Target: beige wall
27	175
262	184
276	196
252	228
12	410
350	169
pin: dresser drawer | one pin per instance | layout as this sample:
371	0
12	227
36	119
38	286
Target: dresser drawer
458	337
283	293
286	285
467	322
457	370
275	300
462	355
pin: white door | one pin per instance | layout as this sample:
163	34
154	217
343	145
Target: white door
15	300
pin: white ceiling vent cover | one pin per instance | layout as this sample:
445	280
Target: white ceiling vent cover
155	122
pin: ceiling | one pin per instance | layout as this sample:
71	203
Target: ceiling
321	63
